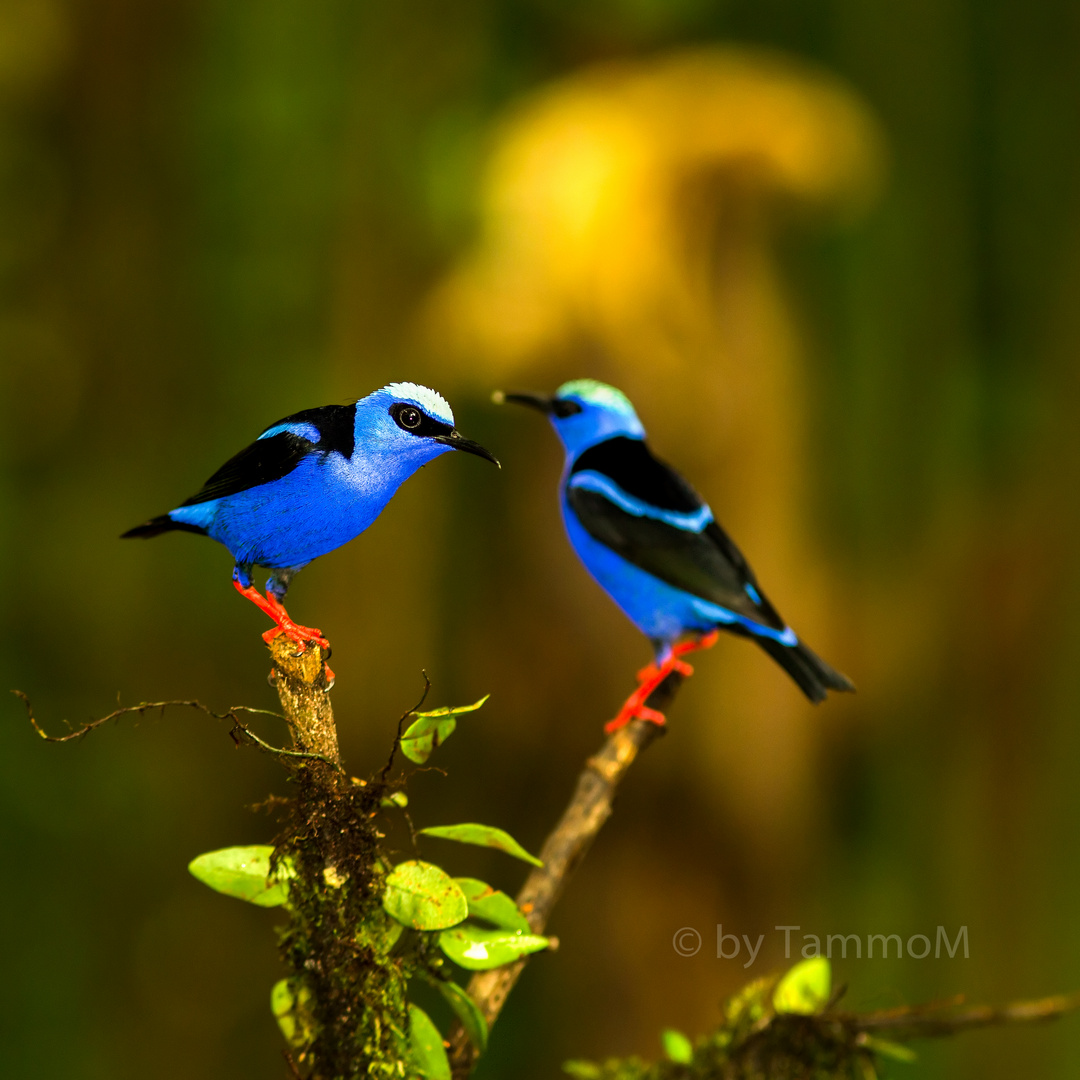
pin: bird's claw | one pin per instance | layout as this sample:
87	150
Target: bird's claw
272	606
652	716
649	679
299	635
635	708
651	671
635	711
302	636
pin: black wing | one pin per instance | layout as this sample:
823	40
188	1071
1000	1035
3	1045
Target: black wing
630	465
269	459
706	563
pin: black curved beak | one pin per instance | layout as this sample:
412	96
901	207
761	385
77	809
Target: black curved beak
544	403
455	441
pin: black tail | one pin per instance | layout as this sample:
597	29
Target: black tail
814	676
158	525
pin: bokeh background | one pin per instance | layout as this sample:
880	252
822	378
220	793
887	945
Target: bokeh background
831	248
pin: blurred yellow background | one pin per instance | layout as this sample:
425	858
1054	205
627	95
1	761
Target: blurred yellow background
830	250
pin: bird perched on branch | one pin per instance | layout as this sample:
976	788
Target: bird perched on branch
651	541
312	482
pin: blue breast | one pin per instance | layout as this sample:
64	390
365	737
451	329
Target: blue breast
658	610
316	508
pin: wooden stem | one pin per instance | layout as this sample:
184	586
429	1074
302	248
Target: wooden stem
300	680
564	848
951	1017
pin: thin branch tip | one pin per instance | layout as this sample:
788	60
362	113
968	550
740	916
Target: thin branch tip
400	728
240	733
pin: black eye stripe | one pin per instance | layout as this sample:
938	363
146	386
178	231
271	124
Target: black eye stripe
424	426
562	409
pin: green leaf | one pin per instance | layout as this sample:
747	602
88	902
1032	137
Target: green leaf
493	906
289	1002
805	988
424	896
890	1049
484	836
378	931
390	938
395	798
427	1050
244	872
431	729
582	1070
472	1019
749	1004
677	1046
479	950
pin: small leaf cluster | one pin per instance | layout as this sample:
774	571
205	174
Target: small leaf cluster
432	729
424	915
775	1028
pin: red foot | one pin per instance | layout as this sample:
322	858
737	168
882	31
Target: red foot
302	635
650	677
276	610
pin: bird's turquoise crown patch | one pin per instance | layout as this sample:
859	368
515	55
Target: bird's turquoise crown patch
429	400
597	393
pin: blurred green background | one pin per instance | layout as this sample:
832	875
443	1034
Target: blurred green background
831	249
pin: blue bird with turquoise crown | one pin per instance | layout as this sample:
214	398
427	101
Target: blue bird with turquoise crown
653	544
312	482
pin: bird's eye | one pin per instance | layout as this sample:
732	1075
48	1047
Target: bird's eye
409	418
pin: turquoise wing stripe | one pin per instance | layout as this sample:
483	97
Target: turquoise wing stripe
588	480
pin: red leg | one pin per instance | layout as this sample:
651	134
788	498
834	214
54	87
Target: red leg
706	641
276	610
649	678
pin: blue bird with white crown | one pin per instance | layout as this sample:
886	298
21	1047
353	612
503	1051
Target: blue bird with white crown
312	482
653	544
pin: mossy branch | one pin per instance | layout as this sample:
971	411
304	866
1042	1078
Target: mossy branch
353	1014
333	943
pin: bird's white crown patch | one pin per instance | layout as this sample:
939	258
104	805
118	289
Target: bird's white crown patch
597	393
429	400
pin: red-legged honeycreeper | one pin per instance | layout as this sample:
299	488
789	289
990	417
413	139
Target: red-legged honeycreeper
312	482
652	542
